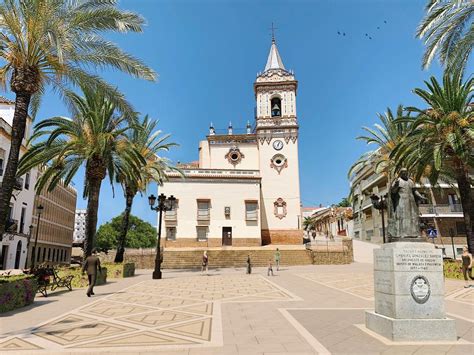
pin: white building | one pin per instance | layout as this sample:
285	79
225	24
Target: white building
79	226
15	240
244	190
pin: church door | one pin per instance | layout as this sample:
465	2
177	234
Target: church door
226	235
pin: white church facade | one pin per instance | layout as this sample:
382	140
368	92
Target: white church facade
244	190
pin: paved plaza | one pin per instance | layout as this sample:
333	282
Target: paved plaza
301	310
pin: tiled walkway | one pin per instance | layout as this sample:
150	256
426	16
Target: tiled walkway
302	310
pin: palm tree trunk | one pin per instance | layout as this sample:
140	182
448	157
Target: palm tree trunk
22	103
467	202
129	196
91	217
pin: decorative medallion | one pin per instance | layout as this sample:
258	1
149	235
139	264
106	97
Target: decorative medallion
234	156
280	208
278	162
420	289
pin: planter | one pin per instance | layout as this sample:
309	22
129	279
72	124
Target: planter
120	270
81	280
17	291
452	269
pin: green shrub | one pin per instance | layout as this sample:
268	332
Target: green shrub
116	271
452	269
17	291
80	280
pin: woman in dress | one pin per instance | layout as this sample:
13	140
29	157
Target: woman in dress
466	265
205	263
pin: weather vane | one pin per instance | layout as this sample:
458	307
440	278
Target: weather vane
273	28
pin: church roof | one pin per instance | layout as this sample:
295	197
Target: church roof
274	60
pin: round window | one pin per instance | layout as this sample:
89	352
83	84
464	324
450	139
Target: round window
234	156
278	161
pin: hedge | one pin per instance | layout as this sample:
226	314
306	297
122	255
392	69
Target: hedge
452	269
81	280
17	291
116	271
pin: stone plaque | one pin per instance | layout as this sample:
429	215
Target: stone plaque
420	289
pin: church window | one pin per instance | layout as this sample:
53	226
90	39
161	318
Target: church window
204	212
202	233
251	210
234	156
276	107
171	233
279	162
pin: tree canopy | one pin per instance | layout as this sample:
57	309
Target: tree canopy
140	234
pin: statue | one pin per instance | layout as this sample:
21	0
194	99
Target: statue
404	222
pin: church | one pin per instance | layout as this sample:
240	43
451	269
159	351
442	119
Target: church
244	190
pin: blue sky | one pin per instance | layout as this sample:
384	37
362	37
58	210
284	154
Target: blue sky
207	54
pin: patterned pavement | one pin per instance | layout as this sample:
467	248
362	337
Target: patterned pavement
362	285
151	315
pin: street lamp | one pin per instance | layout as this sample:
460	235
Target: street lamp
39	210
164	204
380	203
30	228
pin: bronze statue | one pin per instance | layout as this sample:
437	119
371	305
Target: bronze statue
404	222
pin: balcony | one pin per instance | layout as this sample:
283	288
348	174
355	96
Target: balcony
454	210
204	217
18	184
12	225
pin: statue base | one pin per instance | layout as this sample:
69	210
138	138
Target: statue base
409	294
407	240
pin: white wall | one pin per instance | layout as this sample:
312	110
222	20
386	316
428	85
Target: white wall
221	194
285	185
218	160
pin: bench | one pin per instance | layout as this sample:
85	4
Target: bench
44	276
61	281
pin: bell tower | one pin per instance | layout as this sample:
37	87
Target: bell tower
277	135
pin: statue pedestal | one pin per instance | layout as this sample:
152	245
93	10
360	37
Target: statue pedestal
409	294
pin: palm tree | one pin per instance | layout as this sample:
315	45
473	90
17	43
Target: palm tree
448	31
95	138
385	136
441	142
51	43
149	143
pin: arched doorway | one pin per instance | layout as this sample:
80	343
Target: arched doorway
18	255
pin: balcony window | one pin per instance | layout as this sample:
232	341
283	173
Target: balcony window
251	210
172	214
171	233
203	213
460	228
27	181
202	233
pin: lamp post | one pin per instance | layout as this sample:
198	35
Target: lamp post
30	228
380	203
39	209
164	204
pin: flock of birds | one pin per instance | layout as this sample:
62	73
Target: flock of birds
368	36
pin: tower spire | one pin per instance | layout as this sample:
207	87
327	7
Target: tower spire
274	60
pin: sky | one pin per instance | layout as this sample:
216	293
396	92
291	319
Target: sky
207	54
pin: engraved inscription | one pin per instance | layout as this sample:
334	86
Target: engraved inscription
417	260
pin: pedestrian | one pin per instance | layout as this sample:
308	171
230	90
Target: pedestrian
205	263
270	267
92	266
466	265
249	265
277	259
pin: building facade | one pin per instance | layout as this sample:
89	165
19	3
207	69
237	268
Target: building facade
14	243
441	219
244	190
53	231
79	226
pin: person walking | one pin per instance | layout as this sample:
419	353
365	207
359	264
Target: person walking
92	266
205	263
466	265
277	259
249	265
270	267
